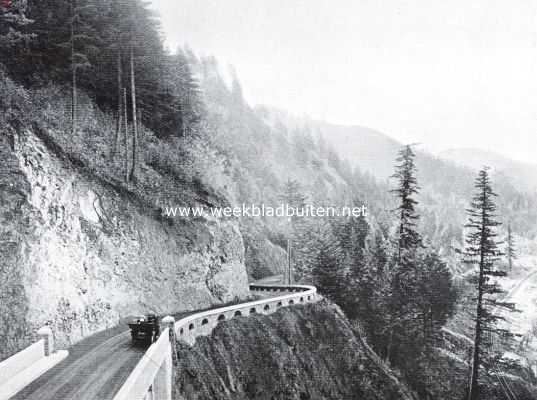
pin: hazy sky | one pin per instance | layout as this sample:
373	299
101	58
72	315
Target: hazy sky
448	74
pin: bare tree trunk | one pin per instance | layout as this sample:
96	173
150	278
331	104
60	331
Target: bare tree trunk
141	133
510	247
126	137
389	346
473	392
73	71
288	261
119	103
73	101
134	122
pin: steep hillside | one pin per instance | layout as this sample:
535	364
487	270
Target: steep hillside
79	248
366	148
312	352
299	353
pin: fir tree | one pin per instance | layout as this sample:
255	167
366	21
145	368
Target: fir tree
186	91
482	251
292	194
435	298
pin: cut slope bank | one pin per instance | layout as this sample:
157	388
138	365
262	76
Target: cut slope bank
79	249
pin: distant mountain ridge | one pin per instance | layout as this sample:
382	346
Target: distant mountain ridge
374	151
524	175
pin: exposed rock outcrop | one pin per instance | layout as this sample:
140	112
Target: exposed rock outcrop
263	258
79	253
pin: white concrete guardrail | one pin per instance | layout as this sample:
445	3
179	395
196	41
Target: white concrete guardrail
151	379
29	364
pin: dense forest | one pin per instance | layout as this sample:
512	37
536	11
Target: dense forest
93	77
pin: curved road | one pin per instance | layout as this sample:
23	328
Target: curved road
95	369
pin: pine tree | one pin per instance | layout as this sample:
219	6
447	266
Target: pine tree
126	136
376	315
511	249
292	194
482	251
435	298
297	243
404	275
119	116
183	91
16	35
79	46
237	97
379	255
416	286
134	117
114	50
327	270
12	23
351	233
405	173
362	279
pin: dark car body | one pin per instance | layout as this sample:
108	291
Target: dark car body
145	329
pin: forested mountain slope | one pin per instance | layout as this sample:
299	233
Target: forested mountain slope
446	181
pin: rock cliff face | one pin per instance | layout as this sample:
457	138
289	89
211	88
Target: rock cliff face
298	353
79	254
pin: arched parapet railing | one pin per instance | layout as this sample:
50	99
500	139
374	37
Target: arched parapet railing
152	376
202	324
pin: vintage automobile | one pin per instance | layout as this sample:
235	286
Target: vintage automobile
145	329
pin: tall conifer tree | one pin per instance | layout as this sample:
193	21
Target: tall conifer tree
482	251
404	275
405	172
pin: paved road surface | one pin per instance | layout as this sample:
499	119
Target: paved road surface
94	370
96	367
275	280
